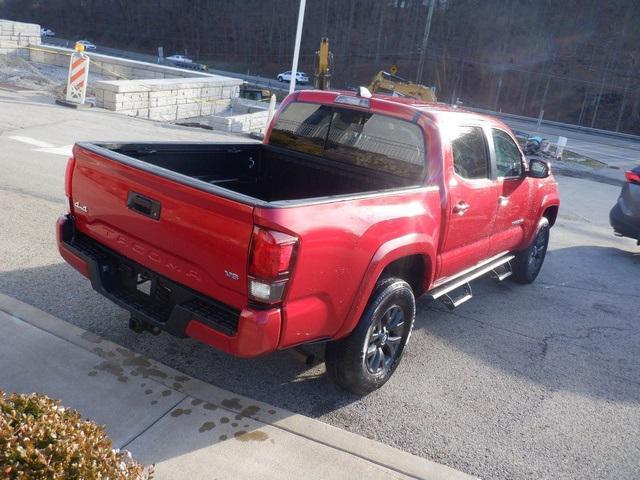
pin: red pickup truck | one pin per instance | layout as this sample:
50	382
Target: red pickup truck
353	206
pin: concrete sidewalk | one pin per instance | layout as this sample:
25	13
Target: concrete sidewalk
187	428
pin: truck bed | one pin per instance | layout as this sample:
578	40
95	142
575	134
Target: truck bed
255	171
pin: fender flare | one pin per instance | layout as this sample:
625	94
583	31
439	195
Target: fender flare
411	244
547	201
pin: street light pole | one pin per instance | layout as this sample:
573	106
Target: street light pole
425	41
296	48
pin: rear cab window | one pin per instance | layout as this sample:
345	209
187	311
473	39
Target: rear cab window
374	141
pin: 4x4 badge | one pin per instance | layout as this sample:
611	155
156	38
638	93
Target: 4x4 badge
81	207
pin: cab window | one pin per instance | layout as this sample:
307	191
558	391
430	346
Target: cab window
470	157
374	141
508	156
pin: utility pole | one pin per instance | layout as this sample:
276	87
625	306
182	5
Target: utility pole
425	41
296	48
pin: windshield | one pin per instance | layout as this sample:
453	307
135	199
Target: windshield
374	141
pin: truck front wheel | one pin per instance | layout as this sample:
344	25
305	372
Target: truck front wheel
366	359
528	263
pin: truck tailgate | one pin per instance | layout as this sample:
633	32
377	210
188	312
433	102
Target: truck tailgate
193	237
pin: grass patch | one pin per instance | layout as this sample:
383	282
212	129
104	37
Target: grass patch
573	157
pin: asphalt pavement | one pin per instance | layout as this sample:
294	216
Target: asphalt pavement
539	381
184	427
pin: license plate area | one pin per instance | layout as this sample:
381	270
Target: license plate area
144	284
161	302
143	288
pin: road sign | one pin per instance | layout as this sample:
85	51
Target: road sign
562	142
78	76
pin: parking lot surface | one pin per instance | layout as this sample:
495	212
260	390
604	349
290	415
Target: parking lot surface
539	381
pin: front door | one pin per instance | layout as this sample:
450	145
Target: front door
472	204
514	192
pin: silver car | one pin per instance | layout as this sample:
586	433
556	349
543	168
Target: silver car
87	44
625	214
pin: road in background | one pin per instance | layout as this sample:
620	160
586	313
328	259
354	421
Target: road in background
260	81
539	381
610	149
622	152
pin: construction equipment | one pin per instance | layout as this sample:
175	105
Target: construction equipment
254	93
392	84
323	65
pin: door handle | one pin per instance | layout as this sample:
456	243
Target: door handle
461	207
503	201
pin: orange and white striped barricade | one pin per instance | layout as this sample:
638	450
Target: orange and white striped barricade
78	76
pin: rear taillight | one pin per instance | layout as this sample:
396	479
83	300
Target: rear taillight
632	176
270	263
71	163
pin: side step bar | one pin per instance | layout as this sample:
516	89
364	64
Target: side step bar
502	272
499	268
452	301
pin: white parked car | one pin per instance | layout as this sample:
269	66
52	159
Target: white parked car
179	58
301	77
87	44
45	32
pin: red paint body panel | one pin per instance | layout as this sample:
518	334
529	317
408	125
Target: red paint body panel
71	258
338	243
197	238
343	243
258	333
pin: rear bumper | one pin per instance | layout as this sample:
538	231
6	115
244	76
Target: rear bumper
170	306
624	225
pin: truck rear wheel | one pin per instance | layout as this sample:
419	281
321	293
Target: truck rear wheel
366	359
528	263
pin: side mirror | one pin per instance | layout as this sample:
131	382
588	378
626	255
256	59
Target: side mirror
539	168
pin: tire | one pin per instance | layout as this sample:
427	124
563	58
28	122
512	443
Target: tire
528	262
280	78
366	359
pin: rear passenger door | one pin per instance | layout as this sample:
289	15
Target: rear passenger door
514	193
472	201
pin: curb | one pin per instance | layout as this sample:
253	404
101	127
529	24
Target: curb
299	425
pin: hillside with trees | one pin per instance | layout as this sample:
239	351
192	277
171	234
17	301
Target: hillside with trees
578	60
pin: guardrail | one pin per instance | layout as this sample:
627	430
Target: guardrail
568	126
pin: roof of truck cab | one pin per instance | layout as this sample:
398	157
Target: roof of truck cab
436	111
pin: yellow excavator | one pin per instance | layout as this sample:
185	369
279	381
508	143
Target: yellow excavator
323	65
392	84
383	82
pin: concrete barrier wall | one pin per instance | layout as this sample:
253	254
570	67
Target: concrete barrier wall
242	116
113	66
16	36
248	122
168	99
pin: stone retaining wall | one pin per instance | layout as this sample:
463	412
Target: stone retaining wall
168	99
15	36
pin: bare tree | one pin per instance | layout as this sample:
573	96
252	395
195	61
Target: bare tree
577	59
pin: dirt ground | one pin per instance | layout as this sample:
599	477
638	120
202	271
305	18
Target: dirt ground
22	74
